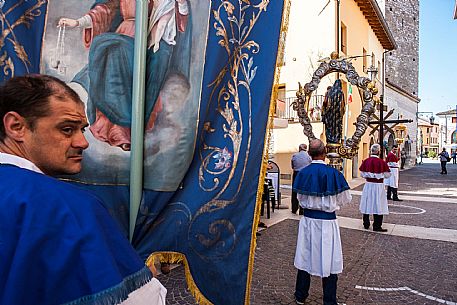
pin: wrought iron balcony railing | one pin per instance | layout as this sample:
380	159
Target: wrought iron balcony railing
284	109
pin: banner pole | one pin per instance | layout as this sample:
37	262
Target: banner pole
137	127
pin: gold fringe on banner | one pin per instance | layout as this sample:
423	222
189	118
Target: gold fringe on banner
176	258
268	133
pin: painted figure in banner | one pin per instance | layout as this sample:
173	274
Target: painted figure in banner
332	113
58	243
109	30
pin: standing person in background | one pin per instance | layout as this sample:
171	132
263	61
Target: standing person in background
402	158
321	191
444	158
374	200
299	160
454	157
392	182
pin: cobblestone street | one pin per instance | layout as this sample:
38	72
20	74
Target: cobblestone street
379	268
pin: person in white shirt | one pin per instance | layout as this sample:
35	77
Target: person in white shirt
444	159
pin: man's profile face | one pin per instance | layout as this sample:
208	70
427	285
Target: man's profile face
56	142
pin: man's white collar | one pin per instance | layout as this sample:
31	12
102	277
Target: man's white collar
19	162
318	161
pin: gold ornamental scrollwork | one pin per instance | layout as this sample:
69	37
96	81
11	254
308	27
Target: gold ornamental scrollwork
232	128
8	27
349	148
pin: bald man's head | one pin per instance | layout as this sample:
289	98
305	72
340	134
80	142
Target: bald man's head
316	149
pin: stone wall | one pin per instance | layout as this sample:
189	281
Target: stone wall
402	64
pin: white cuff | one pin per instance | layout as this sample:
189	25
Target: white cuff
183	8
152	293
85	22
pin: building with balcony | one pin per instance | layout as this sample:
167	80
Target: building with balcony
357	29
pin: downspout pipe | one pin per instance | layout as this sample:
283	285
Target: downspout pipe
381	105
137	127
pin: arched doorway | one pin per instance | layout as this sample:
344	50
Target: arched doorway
454	137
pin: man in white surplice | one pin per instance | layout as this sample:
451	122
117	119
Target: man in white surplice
321	191
374	200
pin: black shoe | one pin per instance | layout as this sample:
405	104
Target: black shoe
397	199
299	302
389	198
366	227
379	230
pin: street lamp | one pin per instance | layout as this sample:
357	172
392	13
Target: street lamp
372	72
400	131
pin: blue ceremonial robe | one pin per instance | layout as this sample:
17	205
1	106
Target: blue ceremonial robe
58	245
320	180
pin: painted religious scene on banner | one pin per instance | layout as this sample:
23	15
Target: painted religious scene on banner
90	46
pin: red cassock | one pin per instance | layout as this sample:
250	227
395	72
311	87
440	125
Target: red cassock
391	157
374	199
374	165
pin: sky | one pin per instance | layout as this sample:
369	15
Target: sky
437	56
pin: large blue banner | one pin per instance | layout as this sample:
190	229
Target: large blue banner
210	74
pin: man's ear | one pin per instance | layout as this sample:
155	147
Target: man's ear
15	126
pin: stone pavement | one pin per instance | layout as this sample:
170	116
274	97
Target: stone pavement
414	263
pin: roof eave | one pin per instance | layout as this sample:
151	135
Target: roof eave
375	18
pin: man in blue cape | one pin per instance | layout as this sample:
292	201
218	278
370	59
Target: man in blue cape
58	244
321	191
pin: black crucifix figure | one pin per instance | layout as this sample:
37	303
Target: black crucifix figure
381	123
333	112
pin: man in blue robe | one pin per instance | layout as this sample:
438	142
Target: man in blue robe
321	191
58	244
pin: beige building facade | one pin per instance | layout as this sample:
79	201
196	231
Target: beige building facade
358	29
429	137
